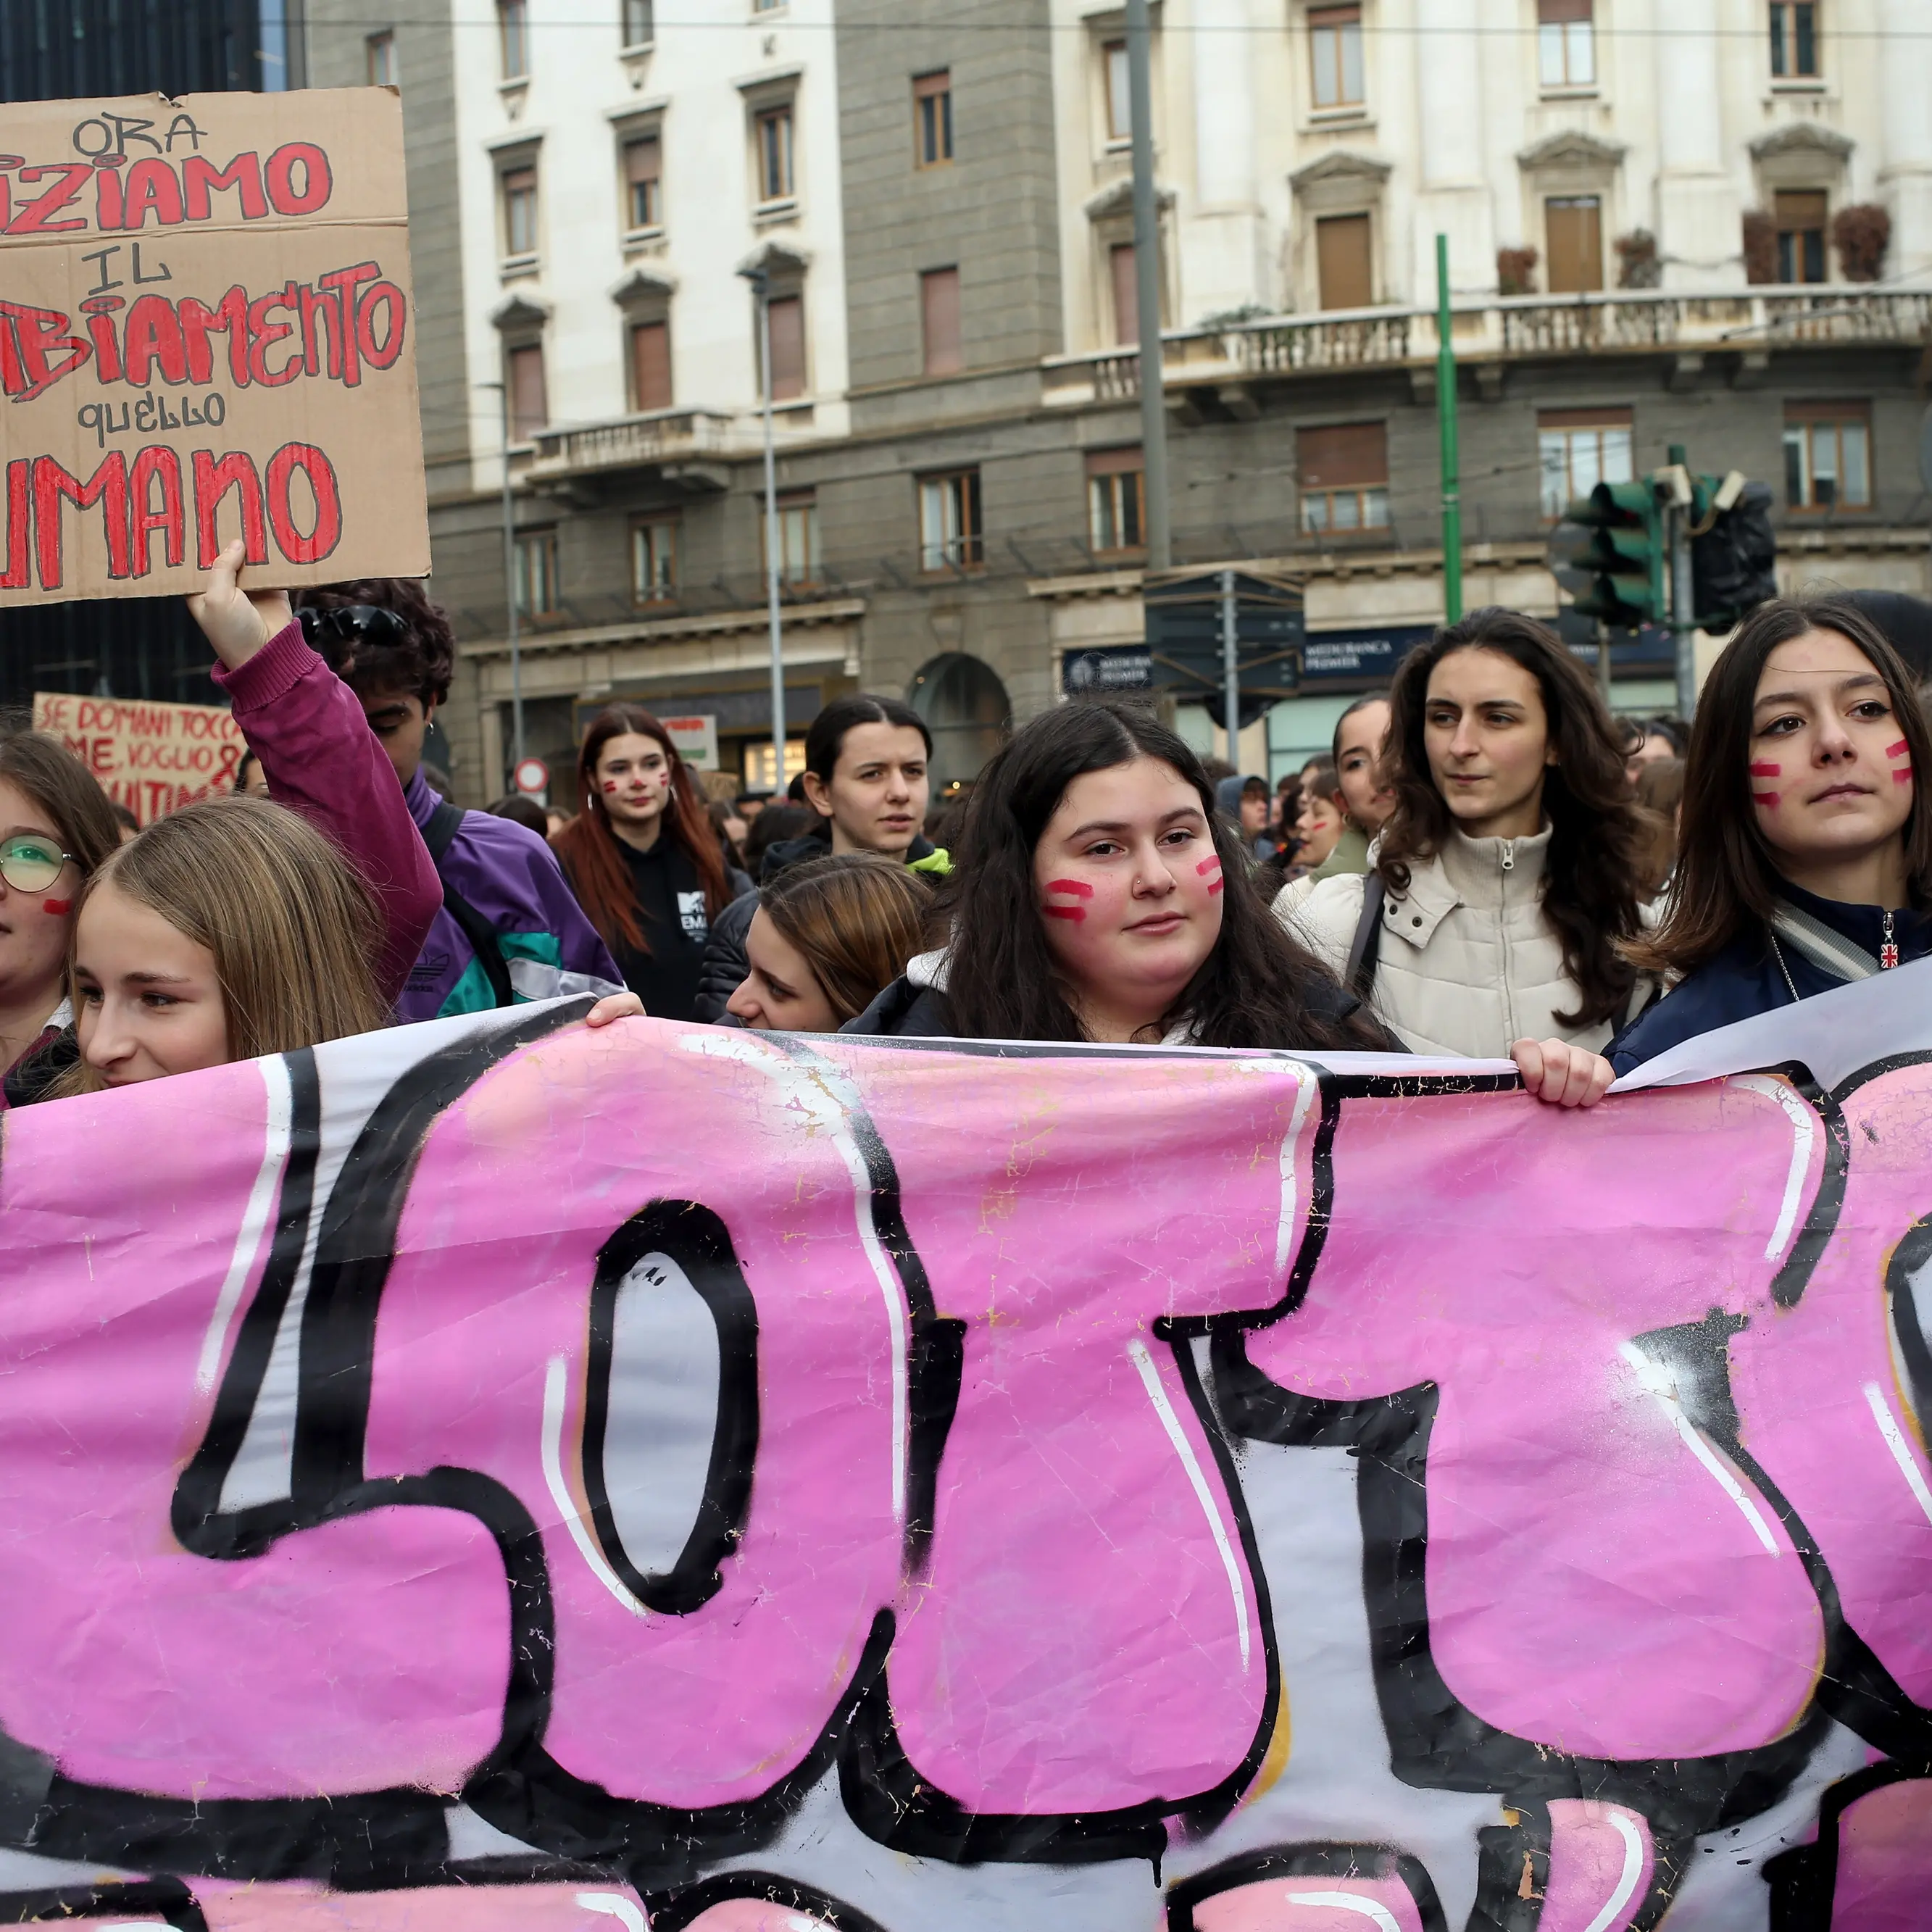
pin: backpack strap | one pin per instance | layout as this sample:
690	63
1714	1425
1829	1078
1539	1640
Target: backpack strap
444	823
1365	949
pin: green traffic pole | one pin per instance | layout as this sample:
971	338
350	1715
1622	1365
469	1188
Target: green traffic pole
1445	418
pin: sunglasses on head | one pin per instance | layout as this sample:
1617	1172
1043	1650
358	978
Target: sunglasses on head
349	622
30	863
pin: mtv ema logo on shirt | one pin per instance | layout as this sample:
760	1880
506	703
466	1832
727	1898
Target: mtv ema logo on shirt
691	915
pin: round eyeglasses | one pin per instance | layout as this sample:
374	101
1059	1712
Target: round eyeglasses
30	863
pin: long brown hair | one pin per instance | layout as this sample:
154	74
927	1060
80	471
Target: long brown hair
856	918
1001	981
589	850
1727	877
1593	882
292	927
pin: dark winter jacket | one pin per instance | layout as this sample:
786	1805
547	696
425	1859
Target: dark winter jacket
726	962
1745	979
914	1006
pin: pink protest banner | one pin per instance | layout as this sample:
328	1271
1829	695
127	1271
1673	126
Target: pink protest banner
495	1473
152	758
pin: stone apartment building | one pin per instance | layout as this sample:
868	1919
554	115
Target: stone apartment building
1707	222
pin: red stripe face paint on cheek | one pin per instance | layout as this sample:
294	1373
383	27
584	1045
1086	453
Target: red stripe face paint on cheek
1768	799
1074	889
1214	866
1766	771
1893	751
57	908
1902	775
609	787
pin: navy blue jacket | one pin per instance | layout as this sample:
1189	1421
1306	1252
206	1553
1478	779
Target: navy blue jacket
1743	980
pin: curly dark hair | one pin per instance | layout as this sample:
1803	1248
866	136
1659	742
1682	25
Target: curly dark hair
1593	882
420	663
1001	981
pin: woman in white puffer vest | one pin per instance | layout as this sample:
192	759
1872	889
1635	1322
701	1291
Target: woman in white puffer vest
1508	875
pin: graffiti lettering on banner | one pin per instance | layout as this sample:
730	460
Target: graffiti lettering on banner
641	1475
206	332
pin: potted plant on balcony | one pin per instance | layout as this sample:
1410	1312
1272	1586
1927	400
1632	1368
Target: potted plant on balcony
1861	233
1638	265
1516	271
1760	246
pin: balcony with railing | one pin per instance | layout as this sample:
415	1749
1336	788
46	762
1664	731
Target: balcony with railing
663	440
1750	322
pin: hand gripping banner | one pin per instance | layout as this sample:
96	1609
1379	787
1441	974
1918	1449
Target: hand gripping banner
496	1475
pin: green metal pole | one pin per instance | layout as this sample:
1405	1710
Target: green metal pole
1445	418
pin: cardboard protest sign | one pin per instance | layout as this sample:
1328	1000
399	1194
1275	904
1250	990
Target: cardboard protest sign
152	758
496	1473
206	332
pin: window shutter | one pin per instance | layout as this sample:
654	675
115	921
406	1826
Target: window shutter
1343	263
939	301
1126	295
1347	456
529	408
650	366
788	326
1559	13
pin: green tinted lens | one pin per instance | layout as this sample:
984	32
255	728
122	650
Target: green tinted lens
30	864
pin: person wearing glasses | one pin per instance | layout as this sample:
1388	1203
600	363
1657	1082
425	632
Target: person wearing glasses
56	826
509	928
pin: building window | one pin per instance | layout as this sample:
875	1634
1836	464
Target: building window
1800	220
1345	261
1573	233
1566	54
654	559
529	405
932	120
644	184
950	534
1794	40
650	365
1120	94
1828	456
774	155
513	33
798	537
1116	502
939	317
379	60
787	319
1344	477
1577	450
766	6
636	24
1335	55
537	595
520	212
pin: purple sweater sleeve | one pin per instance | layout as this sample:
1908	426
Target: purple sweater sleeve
320	757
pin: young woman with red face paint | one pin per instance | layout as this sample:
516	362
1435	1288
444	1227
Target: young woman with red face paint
1804	857
1098	896
56	826
643	859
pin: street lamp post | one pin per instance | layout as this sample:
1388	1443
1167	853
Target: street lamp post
759	279
510	587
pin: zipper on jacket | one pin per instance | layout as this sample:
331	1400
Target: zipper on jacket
1509	855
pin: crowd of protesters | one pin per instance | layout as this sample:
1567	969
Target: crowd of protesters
1484	864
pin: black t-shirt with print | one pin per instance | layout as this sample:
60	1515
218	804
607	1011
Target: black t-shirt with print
671	898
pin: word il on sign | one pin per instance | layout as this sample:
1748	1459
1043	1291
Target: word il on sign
205	332
695	1477
152	758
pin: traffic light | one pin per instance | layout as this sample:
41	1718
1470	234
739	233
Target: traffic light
1609	552
1733	549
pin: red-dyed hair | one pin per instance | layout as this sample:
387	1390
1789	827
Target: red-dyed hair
591	854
